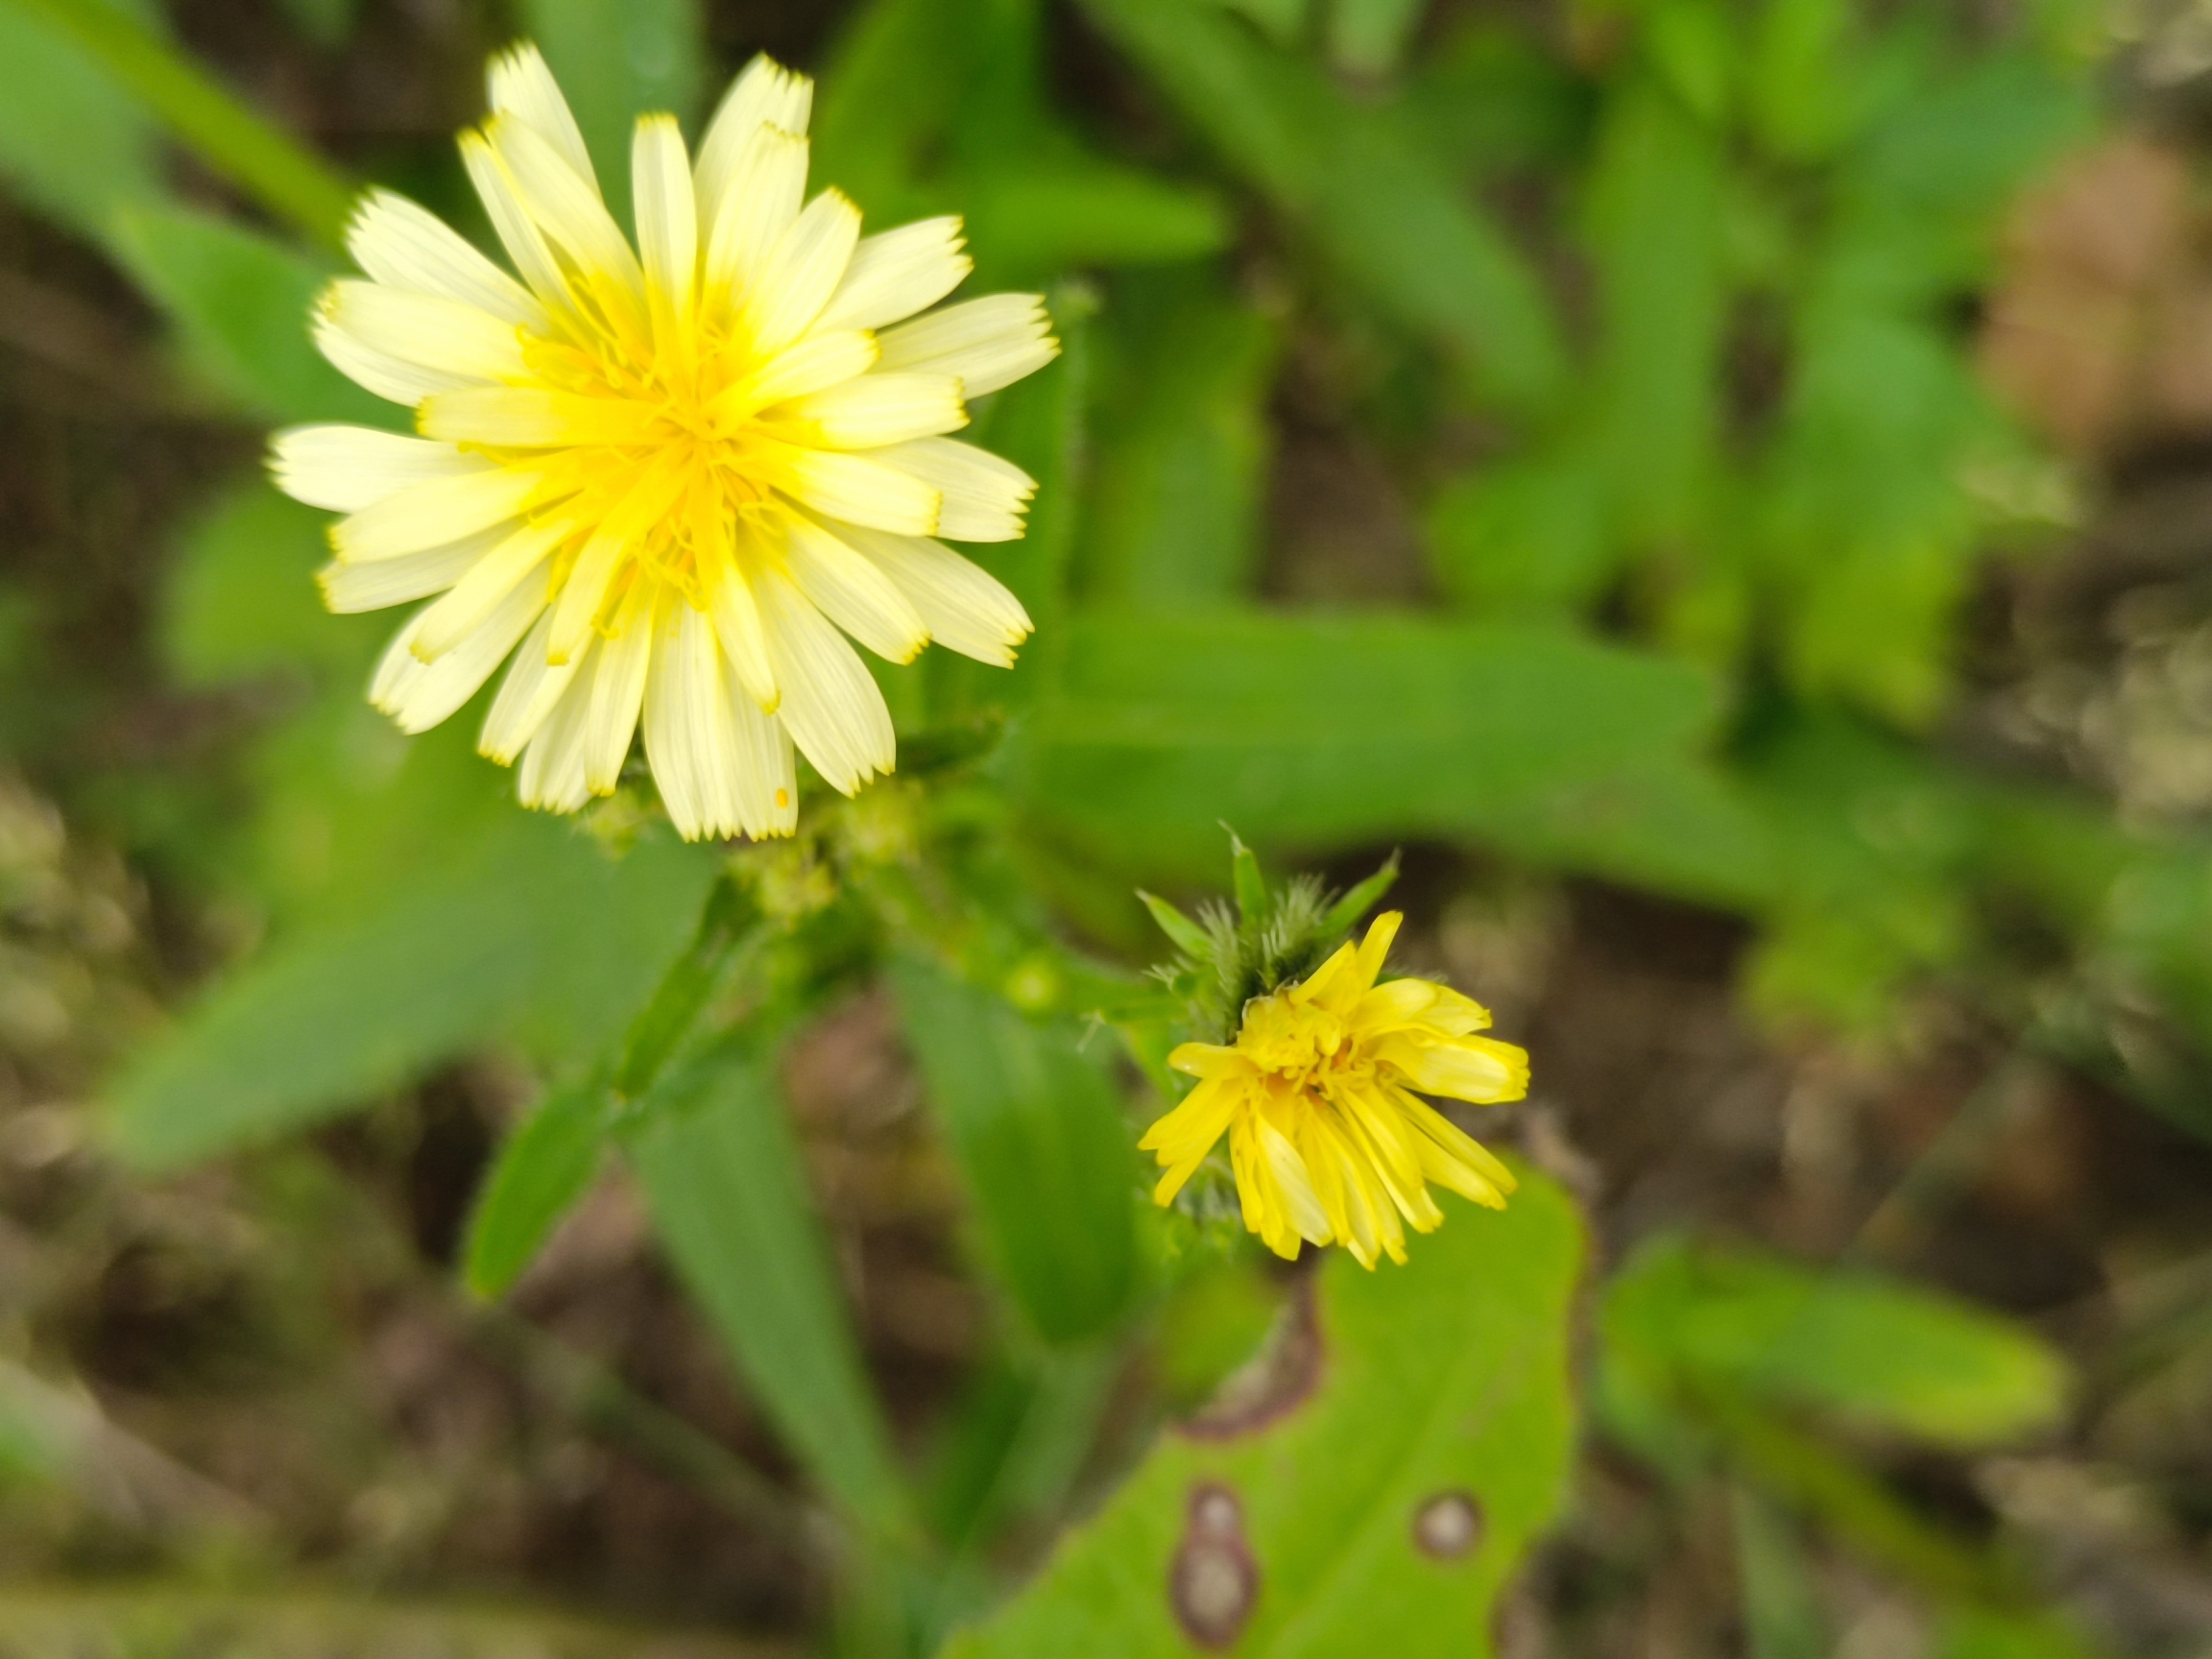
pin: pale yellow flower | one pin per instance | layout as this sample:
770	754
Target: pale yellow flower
668	479
1320	1097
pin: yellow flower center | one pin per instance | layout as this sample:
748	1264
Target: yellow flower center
1301	1046
662	433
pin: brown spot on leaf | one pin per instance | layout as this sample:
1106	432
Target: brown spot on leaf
1275	1381
1447	1525
1213	1582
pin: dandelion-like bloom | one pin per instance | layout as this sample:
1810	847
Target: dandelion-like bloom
1320	1097
664	478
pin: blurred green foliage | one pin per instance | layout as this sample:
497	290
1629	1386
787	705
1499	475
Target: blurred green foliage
1698	540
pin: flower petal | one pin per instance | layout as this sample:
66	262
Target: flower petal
764	94
533	686
348	588
426	330
874	410
858	489
403	245
989	343
894	273
1480	1070
519	85
830	705
618	692
487	589
853	592
346	469
984	496
432	514
964	606
802	271
750	218
552	775
419	695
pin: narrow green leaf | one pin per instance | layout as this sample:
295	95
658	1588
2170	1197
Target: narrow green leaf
1359	183
1362	898
617	59
1781	1609
1036	423
1284	21
1846	1341
1528	537
1250	884
1693	45
1423	1437
722	1175
291	182
532	932
1804	92
1985	1633
73	142
1186	934
1182	443
1370	36
1321	730
729	918
942	106
1655	231
1041	1138
240	303
241	594
890	88
546	1165
1029	223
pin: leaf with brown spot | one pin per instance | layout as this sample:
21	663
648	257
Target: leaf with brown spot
1445	1378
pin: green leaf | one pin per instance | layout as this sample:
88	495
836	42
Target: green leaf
1322	731
1182	443
1282	21
543	1167
1750	1324
1655	232
940	107
1029	222
242	598
1250	887
1781	1608
227	136
1370	36
1492	99
1358	182
1185	935
1529	536
1360	899
1693	45
893	83
72	142
729	918
1042	1141
1036	423
722	1176
1983	1633
1803	94
534	933
617	59
1441	1397
240	303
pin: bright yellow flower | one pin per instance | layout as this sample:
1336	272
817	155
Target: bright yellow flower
1320	1097
664	478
